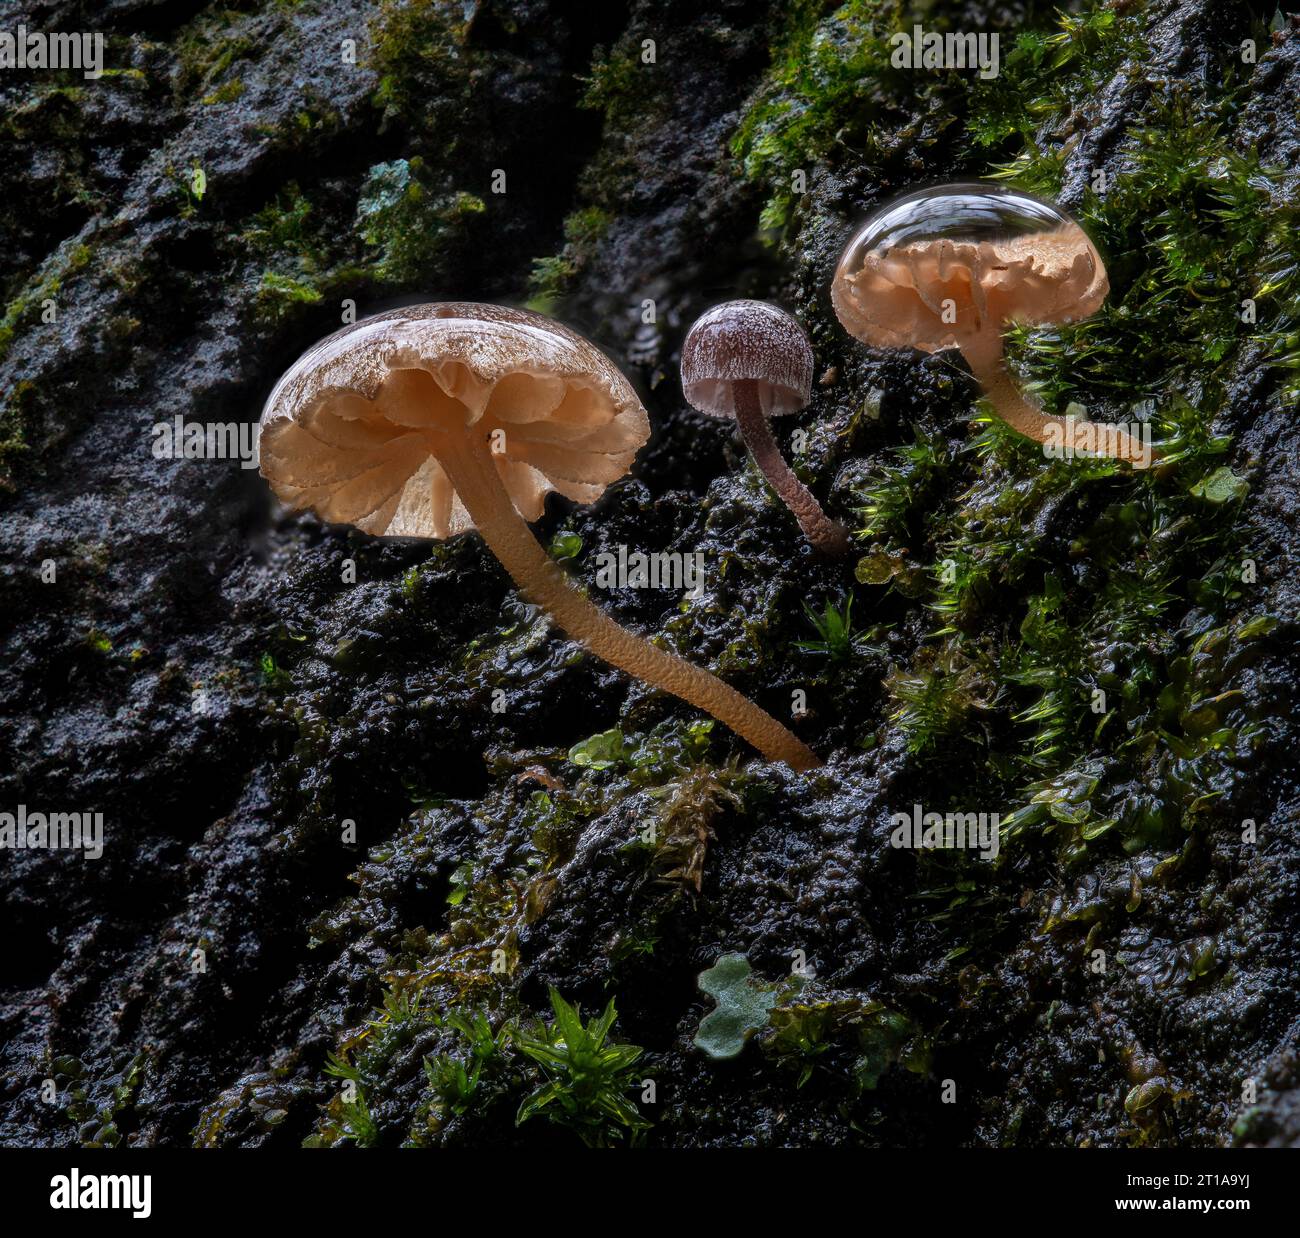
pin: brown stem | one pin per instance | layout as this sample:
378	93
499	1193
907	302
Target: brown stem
1069	435
829	536
469	466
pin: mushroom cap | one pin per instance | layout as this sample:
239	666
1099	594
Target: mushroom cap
351	429
753	340
999	255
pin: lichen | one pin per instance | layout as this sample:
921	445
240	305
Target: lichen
743	1007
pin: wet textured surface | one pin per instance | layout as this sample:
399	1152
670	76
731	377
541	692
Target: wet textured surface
231	686
962	212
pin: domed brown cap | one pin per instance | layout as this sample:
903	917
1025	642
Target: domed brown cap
996	255
351	430
752	340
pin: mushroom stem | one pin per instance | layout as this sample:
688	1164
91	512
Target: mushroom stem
1069	435
468	464
828	536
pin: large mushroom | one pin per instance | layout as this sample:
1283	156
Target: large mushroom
751	361
435	419
951	267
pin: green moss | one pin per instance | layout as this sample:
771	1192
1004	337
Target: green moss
830	83
420	52
16	417
462	1081
803	1030
278	295
670	749
273	676
688	808
69	259
618	82
21	420
1060	675
551	277
53	113
937	702
586	1077
898	497
294	257
1048	74
99	1106
227	92
1187	233
567	1071
284	225
412	228
206	49
836	639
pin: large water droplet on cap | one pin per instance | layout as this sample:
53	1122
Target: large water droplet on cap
942	266
961	212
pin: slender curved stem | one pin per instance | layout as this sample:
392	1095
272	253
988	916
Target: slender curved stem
829	536
1068	435
469	466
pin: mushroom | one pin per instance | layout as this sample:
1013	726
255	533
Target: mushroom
432	420
949	267
751	361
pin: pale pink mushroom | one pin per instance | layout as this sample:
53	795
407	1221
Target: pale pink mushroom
952	267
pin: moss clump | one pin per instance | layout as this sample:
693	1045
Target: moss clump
294	260
70	258
836	639
585	1077
815	1027
1047	74
420	51
568	1071
414	229
938	702
1200	240
1084	633
206	51
104	1108
286	225
620	83
15	419
209	46
689	807
53	113
277	295
831	84
227	92
551	277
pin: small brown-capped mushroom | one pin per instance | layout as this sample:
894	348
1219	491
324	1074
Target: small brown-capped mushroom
751	361
435	419
951	267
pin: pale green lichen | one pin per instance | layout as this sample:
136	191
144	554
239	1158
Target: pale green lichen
743	1006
